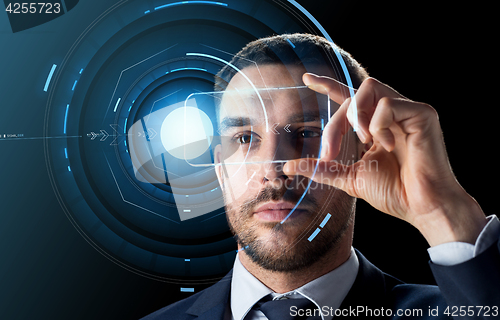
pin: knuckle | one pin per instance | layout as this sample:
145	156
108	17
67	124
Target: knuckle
370	82
383	115
429	110
428	113
386	103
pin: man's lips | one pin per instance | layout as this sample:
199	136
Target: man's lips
276	211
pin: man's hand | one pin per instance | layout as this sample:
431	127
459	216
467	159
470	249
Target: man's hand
413	180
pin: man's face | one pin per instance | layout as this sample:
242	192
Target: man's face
273	215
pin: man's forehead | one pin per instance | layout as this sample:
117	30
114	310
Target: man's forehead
267	76
270	93
295	103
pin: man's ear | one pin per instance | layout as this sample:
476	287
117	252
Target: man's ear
218	164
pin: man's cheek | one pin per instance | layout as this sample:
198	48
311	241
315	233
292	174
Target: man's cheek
239	183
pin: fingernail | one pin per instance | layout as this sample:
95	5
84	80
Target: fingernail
318	88
361	136
352	114
309	74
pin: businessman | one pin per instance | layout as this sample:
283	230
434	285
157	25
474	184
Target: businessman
280	183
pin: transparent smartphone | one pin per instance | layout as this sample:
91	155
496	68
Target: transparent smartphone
252	126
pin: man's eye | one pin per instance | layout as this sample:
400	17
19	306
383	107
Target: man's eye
244	139
309	134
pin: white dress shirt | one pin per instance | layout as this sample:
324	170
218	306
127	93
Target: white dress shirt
246	290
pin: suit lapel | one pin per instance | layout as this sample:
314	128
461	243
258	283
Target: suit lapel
212	303
370	288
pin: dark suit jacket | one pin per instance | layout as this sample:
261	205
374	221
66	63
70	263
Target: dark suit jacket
473	283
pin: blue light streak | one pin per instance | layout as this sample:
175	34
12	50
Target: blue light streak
187	289
304	194
181	69
337	53
241	73
291	43
190	2
315	233
66	152
66	118
242	249
74	85
117	102
51	73
325	220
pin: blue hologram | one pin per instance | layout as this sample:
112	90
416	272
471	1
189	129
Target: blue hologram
51	73
315	233
325	220
180	69
66	118
117	102
239	71
307	189
337	53
190	2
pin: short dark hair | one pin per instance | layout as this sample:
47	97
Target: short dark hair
297	49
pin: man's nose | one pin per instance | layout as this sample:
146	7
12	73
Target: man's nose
274	170
277	153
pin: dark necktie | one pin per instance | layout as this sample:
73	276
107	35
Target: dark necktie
288	309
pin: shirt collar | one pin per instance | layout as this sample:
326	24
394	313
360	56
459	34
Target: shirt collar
246	290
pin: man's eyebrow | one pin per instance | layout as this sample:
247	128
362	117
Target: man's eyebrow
306	117
229	122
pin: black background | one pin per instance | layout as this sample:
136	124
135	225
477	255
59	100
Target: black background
430	53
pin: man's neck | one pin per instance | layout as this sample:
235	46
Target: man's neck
281	282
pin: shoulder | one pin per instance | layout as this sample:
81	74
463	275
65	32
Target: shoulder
376	289
406	296
411	295
211	302
176	310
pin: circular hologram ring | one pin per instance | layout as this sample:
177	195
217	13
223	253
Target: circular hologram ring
133	79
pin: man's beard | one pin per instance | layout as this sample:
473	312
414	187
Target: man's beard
278	254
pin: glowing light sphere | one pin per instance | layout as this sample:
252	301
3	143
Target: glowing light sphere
186	133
